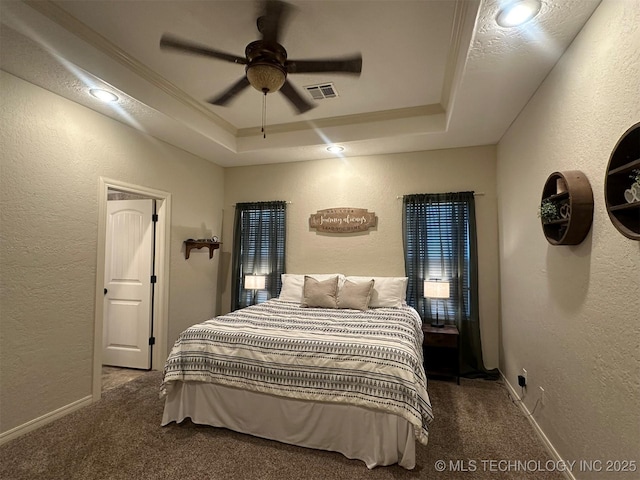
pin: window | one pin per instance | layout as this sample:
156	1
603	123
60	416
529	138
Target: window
258	249
437	246
439	232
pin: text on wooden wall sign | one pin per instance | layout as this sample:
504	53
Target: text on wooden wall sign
343	220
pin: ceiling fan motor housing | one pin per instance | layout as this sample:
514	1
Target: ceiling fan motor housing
265	70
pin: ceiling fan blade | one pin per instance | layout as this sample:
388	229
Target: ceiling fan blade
345	65
295	98
231	92
271	22
171	42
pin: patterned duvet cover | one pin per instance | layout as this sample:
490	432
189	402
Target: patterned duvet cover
371	359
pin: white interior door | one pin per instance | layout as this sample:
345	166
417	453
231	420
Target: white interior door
128	268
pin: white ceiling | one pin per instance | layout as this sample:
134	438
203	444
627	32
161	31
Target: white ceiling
436	73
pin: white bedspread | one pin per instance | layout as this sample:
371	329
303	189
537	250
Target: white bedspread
371	359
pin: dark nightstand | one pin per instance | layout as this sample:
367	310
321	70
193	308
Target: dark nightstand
442	351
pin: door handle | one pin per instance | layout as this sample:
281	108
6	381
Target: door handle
105	291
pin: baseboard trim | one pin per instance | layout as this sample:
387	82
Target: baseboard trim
44	419
545	440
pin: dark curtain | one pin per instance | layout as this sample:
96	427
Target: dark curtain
259	236
439	235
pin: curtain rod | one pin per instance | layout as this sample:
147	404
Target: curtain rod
475	194
234	204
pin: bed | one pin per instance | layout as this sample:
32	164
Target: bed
302	371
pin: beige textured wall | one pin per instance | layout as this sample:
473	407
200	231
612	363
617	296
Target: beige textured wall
373	183
571	315
52	154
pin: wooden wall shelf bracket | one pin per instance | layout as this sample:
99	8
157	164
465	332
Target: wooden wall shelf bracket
198	244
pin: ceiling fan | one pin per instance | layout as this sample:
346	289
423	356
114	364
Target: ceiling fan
266	60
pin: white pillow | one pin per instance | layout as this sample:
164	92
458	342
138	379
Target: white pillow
387	291
293	284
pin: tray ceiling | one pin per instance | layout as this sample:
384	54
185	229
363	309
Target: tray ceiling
436	74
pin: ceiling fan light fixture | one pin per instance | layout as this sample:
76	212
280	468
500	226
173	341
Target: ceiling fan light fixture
266	77
518	13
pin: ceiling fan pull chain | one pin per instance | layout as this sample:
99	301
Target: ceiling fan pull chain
264	114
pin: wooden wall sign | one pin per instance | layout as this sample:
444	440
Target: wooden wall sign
343	220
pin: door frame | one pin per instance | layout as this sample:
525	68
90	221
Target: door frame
162	257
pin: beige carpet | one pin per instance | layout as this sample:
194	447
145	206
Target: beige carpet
120	438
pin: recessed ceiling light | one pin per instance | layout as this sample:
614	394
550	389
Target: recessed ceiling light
103	95
335	148
518	13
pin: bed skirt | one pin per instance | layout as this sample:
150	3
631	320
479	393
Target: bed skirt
376	438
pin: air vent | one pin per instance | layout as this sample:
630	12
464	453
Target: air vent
322	91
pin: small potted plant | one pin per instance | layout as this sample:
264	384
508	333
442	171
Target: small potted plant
635	176
548	211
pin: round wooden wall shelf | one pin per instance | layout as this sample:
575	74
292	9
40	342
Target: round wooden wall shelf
624	214
571	192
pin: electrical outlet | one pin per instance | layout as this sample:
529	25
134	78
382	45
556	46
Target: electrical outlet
543	398
521	381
